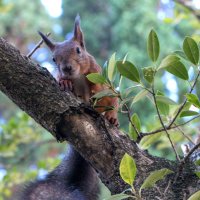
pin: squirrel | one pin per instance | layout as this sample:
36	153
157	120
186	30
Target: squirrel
74	178
74	63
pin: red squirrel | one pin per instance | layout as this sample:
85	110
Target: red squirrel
74	63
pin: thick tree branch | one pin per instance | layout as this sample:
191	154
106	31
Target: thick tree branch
36	92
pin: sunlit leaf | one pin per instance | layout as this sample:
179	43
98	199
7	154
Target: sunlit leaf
96	78
149	73
188	113
136	121
168	61
139	96
125	58
128	70
180	54
153	46
195	196
104	93
197	174
148	140
192	98
191	50
162	106
178	69
111	67
128	169
166	100
154	177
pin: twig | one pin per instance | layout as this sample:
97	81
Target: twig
185	135
155	101
37	46
183	161
190	153
180	109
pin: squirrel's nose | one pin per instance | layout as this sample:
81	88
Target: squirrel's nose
67	68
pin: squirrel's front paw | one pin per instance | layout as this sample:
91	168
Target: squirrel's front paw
66	85
111	116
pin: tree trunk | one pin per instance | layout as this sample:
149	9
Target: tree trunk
36	92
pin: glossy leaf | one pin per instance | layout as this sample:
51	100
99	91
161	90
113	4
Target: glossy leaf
128	169
104	93
111	67
192	98
128	70
166	100
162	106
191	50
188	113
153	46
139	96
148	140
180	54
96	78
178	69
154	177
168	61
136	121
195	196
148	73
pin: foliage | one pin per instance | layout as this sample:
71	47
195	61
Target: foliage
162	104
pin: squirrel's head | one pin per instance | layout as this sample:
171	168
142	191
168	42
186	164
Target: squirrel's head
70	56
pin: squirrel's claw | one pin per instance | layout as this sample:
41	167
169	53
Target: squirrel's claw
66	85
111	116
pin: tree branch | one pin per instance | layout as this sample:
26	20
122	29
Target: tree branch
36	92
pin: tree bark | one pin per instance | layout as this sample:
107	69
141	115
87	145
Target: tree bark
36	92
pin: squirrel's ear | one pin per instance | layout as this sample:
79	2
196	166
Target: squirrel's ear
78	35
47	41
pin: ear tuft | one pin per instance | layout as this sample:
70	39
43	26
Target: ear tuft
78	35
78	19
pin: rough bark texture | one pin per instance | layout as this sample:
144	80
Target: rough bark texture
36	92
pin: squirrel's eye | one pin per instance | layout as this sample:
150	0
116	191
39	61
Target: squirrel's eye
78	50
53	59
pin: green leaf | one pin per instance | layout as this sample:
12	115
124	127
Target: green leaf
188	113
104	93
168	61
96	78
125	58
192	98
154	177
180	54
153	46
195	196
148	140
148	73
118	197
166	100
162	106
191	50
111	67
197	162
128	169
197	174
178	69
139	96
128	70
136	121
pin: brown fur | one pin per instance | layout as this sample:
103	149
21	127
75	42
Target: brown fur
74	63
